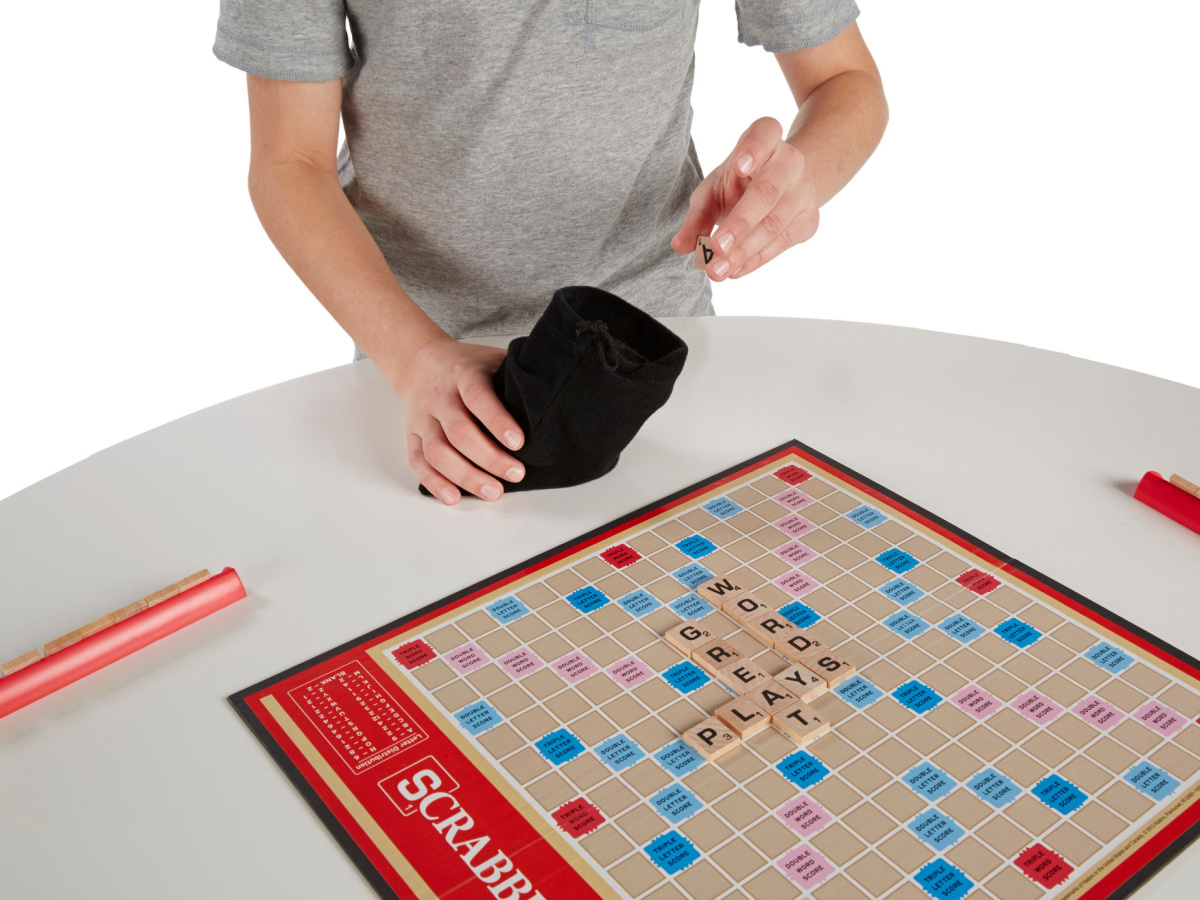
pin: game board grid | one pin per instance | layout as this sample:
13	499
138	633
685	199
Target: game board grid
850	557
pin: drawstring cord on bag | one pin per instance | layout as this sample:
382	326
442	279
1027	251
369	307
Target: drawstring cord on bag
604	340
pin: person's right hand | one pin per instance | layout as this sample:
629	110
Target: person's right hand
444	385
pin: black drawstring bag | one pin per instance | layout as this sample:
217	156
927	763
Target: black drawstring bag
591	372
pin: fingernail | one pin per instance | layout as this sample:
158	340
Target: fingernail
513	439
720	267
744	162
490	492
448	496
724	241
516	473
735	272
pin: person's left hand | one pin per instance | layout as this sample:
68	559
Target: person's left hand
763	198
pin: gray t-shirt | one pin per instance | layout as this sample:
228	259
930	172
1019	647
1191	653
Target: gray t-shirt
500	150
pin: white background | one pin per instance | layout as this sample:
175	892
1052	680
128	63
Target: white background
1037	184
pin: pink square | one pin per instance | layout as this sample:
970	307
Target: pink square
629	672
977	702
795	525
574	667
1037	707
1098	712
793	499
795	553
520	662
1160	718
796	583
804	866
804	815
467	658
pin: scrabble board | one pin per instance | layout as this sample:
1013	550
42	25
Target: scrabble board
524	739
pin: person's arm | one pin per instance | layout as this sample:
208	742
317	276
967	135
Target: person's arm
766	195
295	191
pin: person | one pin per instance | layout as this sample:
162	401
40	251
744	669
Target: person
497	151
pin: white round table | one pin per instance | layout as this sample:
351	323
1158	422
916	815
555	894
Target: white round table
140	781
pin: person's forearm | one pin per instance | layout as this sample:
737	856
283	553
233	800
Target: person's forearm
316	230
838	127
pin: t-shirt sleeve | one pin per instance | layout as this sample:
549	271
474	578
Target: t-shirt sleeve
294	40
780	26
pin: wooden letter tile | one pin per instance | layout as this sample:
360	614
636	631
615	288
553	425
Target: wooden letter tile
803	682
772	629
720	589
16	665
711	738
704	252
715	655
801	723
799	645
830	666
687	636
745	607
743	676
772	697
743	717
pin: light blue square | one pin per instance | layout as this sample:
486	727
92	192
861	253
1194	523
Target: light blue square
993	788
1018	633
671	852
962	628
696	546
799	615
1109	658
587	599
866	516
858	692
896	560
507	609
686	677
942	881
929	781
918	697
802	769
478	717
638	603
691	606
619	752
1151	780
676	803
906	624
723	507
559	746
678	758
1059	794
901	591
693	575
936	829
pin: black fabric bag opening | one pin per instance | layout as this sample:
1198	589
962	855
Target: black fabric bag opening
583	383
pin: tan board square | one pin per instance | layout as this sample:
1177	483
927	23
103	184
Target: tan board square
1184	701
946	563
889	714
1098	821
606	845
1047	749
949	718
837	843
636	874
1112	756
667	589
906	851
1175	760
937	643
446	639
641	824
594	728
705	830
994	648
1086	774
646	777
1031	815
1011	724
900	801
942	680
849	619
643	572
843	528
739	810
771	537
536	595
835	795
833	751
748	495
525	765
1074	637
1087	673
744	549
477	624
565	582
1189	738
821	515
611	617
646	543
820	541
592	569
551	791
823	571
501	741
861	731
672	531
974	858
925	578
605	651
1010	884
655	694
771	837
824	601
511	700
875	605
923	738
874	873
1022	768
872	573
635	636
869	822
985	743
987	614
892	532
954	596
911	659
1052	653
708	783
846	556
455	695
489	678
599	689
535	723
1027	669
1009	599
682	716
958	762
528	628
738	859
969	663
661	620
1004	837
543	683
895	756
771	884
1144	678
659	656
1121	694
434	674
871	544
613	797
1136	736
920	548
965	808
1002	685
1073	844
849	588
585	771
931	610
865	775
559	613
885	675
1126	801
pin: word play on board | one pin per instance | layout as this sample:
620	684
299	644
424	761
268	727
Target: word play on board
558	730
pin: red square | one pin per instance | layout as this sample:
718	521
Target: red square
793	475
620	555
578	817
978	582
413	654
1044	866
